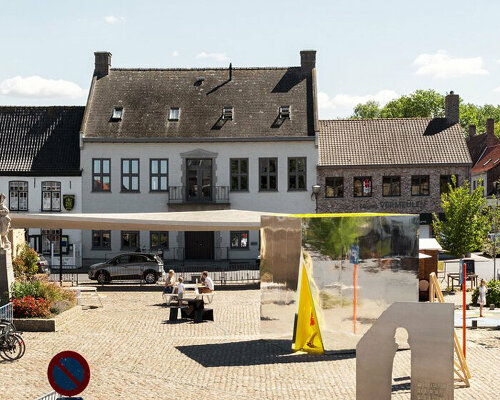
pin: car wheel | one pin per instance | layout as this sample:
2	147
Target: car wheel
102	277
150	277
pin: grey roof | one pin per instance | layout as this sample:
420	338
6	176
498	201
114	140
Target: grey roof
147	95
403	141
40	140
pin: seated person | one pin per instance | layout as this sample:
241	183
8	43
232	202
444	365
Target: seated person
170	282
207	283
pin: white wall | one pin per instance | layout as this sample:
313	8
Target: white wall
69	185
146	201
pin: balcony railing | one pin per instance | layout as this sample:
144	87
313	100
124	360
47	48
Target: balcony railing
208	194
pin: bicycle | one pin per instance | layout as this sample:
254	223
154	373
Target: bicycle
12	346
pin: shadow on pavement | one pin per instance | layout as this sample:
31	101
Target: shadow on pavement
253	352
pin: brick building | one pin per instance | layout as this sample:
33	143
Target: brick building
391	165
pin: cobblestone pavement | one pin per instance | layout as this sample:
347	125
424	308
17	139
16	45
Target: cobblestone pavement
134	353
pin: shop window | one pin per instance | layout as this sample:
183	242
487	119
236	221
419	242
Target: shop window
101	175
130	240
159	175
391	186
239	174
420	185
239	240
297	173
334	186
18	196
268	174
50	237
158	240
101	240
51	196
130	175
362	186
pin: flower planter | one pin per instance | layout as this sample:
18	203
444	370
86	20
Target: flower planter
45	324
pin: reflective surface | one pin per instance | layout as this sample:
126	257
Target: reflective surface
386	273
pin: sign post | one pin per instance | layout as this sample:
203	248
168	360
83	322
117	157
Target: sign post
68	373
354	259
464	326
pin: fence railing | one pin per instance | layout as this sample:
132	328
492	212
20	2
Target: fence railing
233	272
49	396
208	194
7	312
69	274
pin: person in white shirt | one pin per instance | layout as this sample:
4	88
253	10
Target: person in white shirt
207	282
180	290
482	297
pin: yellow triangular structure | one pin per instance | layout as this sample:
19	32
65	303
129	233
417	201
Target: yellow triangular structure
307	333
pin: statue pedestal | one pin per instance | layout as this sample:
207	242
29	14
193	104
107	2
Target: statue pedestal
6	274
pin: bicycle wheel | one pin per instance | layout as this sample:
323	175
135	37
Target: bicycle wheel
14	347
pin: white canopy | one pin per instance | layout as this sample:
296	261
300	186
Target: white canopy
220	220
429	244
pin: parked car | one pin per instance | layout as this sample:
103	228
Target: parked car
128	266
43	265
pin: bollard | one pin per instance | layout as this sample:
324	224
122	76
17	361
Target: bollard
492	306
474	324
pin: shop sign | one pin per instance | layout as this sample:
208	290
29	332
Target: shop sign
69	201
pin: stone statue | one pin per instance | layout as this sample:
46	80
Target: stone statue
4	224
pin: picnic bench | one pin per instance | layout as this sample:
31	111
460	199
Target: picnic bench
86	292
455	276
192	305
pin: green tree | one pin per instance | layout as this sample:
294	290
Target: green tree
467	221
368	110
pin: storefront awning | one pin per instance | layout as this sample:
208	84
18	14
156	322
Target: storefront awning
221	220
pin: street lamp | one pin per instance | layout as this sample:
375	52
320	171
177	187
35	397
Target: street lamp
315	192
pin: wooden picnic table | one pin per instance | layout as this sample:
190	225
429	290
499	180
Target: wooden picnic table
455	276
80	290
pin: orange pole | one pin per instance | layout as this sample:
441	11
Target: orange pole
355	296
464	327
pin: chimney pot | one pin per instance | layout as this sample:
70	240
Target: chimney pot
452	108
307	61
490	126
472	131
102	63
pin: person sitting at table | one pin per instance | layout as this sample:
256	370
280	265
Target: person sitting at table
170	282
207	283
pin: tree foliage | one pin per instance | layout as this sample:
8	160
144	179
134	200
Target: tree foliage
467	221
25	264
429	104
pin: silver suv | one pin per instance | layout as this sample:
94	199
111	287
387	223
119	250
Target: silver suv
148	267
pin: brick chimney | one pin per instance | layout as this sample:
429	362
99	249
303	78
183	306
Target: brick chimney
472	131
490	126
102	63
451	108
307	61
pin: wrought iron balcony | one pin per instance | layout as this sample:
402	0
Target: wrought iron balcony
207	194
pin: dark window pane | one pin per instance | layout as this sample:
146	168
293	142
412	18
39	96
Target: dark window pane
272	182
244	183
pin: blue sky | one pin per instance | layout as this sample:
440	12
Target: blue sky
366	49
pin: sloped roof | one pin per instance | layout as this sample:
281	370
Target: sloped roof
403	141
147	95
489	160
40	140
477	145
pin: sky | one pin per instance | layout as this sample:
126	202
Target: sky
366	50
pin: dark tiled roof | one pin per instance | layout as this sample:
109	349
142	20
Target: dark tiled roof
391	142
40	140
489	160
147	95
477	144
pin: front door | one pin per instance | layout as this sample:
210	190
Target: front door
199	245
199	179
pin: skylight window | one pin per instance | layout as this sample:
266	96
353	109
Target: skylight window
284	112
228	113
498	159
487	162
173	115
117	114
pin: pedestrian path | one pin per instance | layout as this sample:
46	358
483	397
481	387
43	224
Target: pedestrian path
490	319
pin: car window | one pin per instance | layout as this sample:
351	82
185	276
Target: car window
137	258
123	259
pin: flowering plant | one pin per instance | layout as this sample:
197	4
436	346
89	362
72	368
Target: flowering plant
30	307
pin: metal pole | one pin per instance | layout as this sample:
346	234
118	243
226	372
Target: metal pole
60	258
464	326
495	235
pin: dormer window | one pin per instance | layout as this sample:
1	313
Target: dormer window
284	112
173	115
117	114
227	113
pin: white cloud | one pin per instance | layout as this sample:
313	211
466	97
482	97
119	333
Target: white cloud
497	89
443	65
111	19
38	87
220	57
350	101
175	53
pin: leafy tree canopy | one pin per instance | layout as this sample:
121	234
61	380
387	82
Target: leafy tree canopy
430	104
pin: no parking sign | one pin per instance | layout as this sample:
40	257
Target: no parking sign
68	373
